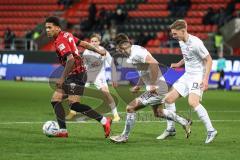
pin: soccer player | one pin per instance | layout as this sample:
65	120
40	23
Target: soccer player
151	77
95	64
73	78
198	64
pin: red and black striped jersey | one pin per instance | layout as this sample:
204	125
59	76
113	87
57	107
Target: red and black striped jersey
65	44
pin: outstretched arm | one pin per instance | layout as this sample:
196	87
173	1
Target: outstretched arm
137	87
88	46
177	65
154	70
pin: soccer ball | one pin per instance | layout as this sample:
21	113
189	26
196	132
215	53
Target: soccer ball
50	128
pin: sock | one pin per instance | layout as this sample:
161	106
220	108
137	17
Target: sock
103	120
170	115
87	111
129	123
170	124
203	115
113	108
60	113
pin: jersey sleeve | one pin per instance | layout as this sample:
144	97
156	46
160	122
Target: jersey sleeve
202	50
76	40
85	52
63	48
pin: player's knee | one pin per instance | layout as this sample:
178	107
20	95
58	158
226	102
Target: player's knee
130	109
157	115
73	99
56	99
168	100
193	102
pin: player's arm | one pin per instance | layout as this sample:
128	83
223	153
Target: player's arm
114	74
110	61
138	86
67	69
154	69
207	60
208	67
177	65
88	46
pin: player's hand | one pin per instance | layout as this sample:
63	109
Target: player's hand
174	65
114	84
59	83
135	89
103	52
153	89
204	84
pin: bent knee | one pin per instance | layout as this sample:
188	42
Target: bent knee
169	100
130	109
193	103
73	99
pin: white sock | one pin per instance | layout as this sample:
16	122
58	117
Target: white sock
203	115
103	121
170	115
170	124
113	108
130	120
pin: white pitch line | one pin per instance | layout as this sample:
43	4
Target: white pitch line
77	122
237	111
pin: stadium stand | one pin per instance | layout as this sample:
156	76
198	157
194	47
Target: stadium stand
24	15
148	19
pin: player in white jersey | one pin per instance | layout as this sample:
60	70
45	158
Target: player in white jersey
95	65
198	64
156	88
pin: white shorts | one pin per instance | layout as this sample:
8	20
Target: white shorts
97	78
100	82
189	84
148	98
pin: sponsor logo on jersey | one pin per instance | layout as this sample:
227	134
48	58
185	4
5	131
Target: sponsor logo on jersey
61	47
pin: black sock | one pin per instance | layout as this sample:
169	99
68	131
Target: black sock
86	110
60	113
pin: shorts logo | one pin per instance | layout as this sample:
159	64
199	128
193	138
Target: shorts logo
61	47
72	87
195	86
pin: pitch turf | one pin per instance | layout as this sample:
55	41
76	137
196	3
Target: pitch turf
25	106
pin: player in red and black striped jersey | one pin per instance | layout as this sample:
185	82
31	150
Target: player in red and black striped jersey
73	78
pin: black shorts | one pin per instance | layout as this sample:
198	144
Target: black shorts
74	84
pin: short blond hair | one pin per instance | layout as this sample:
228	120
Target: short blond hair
179	24
96	35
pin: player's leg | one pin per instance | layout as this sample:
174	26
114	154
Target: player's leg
170	115
74	87
170	130
169	100
194	102
131	109
59	111
88	111
170	124
111	102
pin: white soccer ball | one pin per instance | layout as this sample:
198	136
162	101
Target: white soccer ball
50	128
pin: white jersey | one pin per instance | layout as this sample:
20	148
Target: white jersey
95	62
193	52
138	58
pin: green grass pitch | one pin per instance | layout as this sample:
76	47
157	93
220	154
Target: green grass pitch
24	107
